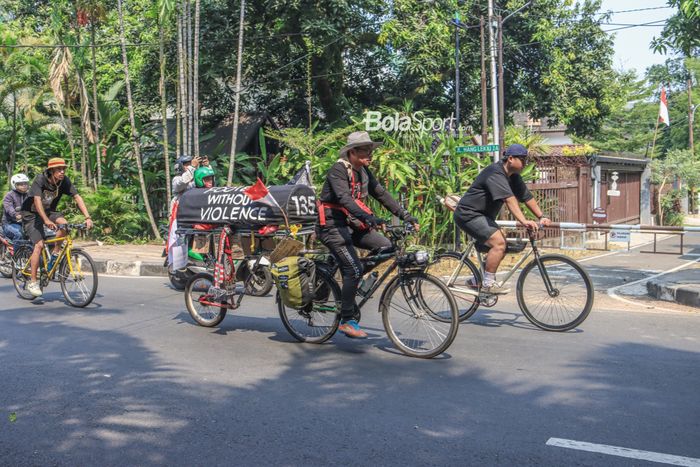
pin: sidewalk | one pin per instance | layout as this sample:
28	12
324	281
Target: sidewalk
127	259
682	286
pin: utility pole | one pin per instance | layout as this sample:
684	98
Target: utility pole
494	83
501	92
484	109
234	136
457	70
691	117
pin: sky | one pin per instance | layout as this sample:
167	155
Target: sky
632	44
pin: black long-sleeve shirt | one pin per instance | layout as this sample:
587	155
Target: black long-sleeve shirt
336	190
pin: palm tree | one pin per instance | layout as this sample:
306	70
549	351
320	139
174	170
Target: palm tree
132	122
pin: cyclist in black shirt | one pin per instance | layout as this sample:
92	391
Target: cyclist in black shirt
499	183
345	221
41	209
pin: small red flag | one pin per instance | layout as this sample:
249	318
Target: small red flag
257	191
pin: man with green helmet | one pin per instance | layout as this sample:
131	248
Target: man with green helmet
204	177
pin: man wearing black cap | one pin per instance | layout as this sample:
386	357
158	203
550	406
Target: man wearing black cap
478	209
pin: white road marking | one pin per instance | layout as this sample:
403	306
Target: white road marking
624	452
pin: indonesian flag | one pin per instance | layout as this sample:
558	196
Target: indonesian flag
663	109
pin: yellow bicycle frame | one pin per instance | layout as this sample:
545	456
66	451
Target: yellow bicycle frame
63	253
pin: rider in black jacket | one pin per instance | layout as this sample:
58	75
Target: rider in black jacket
346	222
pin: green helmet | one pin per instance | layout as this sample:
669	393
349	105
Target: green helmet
200	174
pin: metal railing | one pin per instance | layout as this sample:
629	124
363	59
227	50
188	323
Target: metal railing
616	228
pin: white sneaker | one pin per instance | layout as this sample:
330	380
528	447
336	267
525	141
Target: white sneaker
495	289
34	289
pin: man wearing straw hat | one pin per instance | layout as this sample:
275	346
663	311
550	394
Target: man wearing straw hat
40	209
345	221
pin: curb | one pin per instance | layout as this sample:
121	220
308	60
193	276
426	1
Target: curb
130	268
683	294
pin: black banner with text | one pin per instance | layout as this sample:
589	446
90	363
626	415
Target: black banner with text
230	205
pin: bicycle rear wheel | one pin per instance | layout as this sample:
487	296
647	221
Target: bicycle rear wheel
20	271
571	297
319	320
79	279
468	278
419	314
205	308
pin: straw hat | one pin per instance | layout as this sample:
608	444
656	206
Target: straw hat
56	162
358	139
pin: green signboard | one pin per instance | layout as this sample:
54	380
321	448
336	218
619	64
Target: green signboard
487	148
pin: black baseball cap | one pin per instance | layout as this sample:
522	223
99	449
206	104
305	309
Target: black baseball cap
516	150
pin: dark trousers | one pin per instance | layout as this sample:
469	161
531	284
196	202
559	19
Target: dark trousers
341	241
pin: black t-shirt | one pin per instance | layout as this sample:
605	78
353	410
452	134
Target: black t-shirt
50	193
486	195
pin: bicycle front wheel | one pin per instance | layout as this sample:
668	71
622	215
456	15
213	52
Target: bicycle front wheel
566	304
20	271
467	279
419	314
319	320
78	278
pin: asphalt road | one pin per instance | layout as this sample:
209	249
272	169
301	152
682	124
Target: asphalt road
131	380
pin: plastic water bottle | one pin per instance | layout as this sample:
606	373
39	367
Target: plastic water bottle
367	284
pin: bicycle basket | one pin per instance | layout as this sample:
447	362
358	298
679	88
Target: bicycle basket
285	248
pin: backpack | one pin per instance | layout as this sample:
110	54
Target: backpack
295	278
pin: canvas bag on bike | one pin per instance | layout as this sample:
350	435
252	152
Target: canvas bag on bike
294	277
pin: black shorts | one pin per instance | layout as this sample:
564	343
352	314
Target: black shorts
479	228
34	226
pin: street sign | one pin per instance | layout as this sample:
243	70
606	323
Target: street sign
599	215
613	192
620	236
470	149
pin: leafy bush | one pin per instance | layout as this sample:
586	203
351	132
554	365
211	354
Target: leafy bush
116	213
671	205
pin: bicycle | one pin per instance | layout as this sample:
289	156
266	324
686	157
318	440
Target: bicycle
73	268
562	286
419	313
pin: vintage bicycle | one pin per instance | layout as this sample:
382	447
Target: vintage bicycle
73	268
418	311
